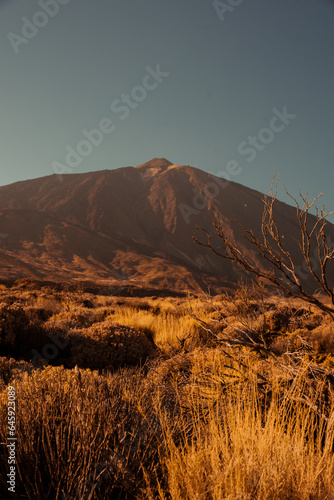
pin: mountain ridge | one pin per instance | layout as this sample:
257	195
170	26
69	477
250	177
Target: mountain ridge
135	222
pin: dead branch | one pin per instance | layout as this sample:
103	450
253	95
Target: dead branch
282	271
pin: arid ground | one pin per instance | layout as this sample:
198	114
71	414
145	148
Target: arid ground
171	397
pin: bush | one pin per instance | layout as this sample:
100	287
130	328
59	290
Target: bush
19	334
71	319
11	368
80	435
109	345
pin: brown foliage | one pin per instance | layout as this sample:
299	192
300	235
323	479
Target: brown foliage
19	333
109	345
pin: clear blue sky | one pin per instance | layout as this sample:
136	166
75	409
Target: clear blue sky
226	77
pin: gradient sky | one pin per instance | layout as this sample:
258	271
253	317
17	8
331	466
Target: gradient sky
226	77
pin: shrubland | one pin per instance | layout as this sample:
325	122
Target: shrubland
228	396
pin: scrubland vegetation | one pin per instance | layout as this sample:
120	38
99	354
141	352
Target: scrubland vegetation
224	397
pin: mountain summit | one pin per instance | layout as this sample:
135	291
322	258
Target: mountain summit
132	225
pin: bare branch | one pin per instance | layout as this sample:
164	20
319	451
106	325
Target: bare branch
282	271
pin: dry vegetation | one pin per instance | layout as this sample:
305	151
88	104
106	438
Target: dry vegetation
229	397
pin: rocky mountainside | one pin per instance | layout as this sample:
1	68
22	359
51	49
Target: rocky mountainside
130	225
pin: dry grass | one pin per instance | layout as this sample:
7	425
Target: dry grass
166	327
80	423
204	419
250	455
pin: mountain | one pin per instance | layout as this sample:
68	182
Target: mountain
132	225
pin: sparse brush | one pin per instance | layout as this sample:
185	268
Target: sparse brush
84	438
237	403
251	441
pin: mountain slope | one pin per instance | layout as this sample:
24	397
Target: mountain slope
130	224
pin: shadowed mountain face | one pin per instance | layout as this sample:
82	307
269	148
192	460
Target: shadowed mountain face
130	225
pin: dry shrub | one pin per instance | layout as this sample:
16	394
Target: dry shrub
199	337
101	313
215	422
47	302
291	342
19	334
319	340
13	299
303	318
250	455
210	424
278	320
38	313
181	380
248	299
11	368
12	319
72	319
109	345
79	435
240	435
243	308
322	339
